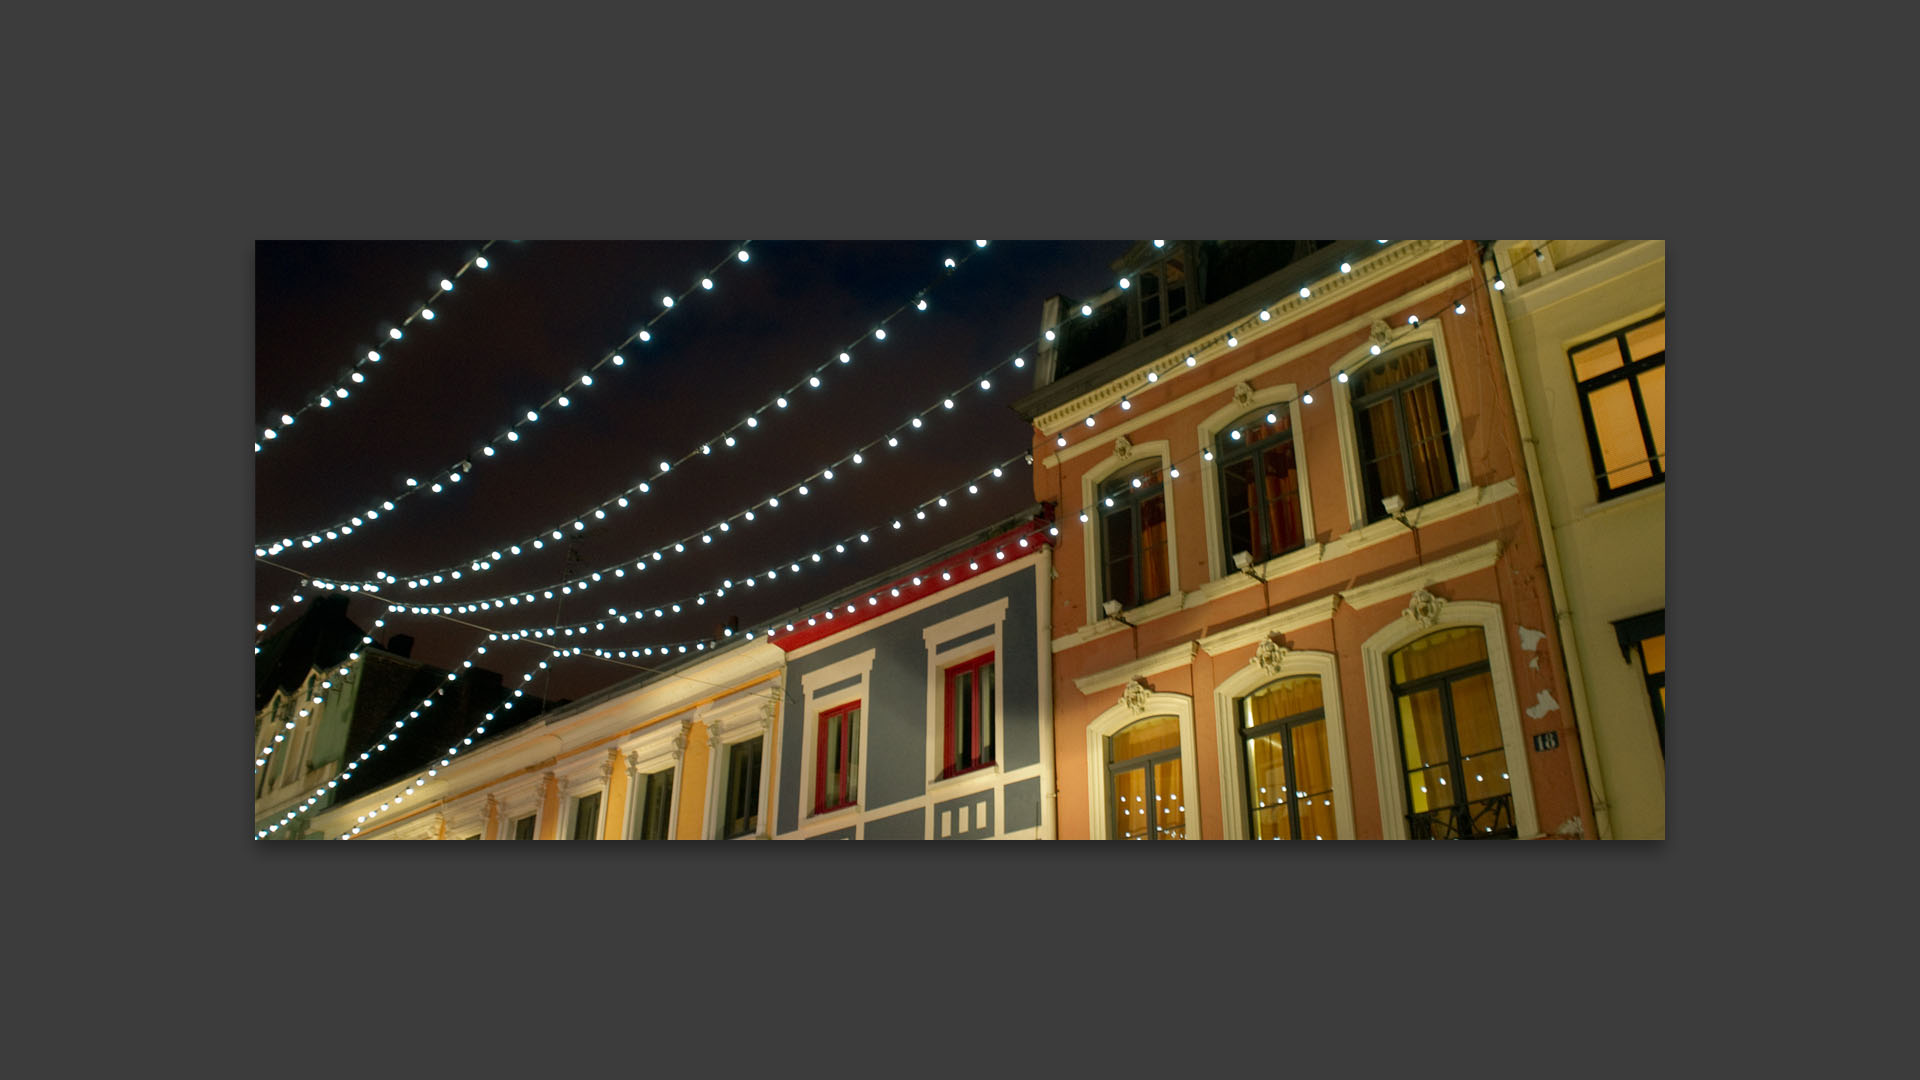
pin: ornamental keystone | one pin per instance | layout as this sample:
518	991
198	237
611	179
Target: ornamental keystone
1424	608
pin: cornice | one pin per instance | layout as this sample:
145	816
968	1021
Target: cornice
1280	622
1164	660
1397	585
1324	292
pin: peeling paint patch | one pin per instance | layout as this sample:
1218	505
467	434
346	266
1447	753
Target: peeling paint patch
1530	639
1542	705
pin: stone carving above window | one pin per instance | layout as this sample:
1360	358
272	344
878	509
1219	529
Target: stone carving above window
1270	656
1424	608
1134	697
1122	449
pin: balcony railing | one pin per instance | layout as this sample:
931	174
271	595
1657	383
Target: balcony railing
1482	819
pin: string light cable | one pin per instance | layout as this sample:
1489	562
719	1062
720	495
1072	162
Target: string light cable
363	364
727	438
919	512
446	478
985	381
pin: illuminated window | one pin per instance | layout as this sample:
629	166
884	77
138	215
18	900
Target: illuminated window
968	728
1144	784
1133	537
653	805
741	814
1622	380
1400	430
1451	752
1648	635
836	773
1259	486
1283	727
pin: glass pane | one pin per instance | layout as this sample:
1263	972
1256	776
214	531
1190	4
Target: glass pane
850	731
1280	496
1118	528
1476	723
1274	701
1380	447
830	758
1647	340
1485	775
586	814
1312	768
1316	819
523	829
1423	733
1653	653
1429	789
656	806
1130	818
1432	454
1623	450
1393	370
1143	737
1596	359
1267	788
986	714
960	719
1237	502
1440	651
1653	394
1169	800
1154	581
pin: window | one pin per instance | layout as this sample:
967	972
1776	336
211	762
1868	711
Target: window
1649	633
1622	381
1260	486
1455	765
586	817
1400	430
741	814
968	728
653	805
1133	537
1160	295
1144	780
836	776
523	828
1289	776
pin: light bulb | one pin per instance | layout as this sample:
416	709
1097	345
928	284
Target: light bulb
1049	335
921	304
1089	421
813	381
1019	361
879	335
742	255
1307	399
1125	404
667	301
985	385
1124	283
1153	376
1232	342
706	283
948	403
513	436
1460	308
427	314
394	333
646	335
1191	361
1159	243
1499	284
480	261
563	401
1346	268
916	421
979	243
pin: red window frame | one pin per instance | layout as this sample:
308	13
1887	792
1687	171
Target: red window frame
954	767
846	793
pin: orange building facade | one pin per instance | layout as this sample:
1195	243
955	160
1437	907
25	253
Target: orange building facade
1299	587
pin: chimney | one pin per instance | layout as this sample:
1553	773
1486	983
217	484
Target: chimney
400	644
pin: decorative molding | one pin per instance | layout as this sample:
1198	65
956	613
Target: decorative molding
1271	656
1423	608
1122	448
1134	670
1280	622
1134	697
1379	334
1242	394
1419	577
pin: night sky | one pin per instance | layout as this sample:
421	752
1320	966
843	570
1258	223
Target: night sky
509	337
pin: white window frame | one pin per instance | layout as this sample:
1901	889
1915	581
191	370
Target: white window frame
1432	333
733	720
1233	772
591	773
1110	722
1374	654
992	614
1090	532
1219	566
511	803
662	749
812	703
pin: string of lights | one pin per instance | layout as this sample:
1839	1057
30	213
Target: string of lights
451	475
918	512
357	373
985	381
727	438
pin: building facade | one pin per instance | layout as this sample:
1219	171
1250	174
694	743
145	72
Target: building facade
1584	323
1300	591
916	705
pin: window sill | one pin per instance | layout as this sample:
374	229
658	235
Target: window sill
1272	570
990	772
1621	501
838	813
1139	616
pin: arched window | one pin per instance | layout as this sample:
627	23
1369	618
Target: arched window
1289	775
1133	537
1400	430
1452	757
1259	486
1144	782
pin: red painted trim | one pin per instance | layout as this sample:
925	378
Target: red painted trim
954	567
978	700
839	793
